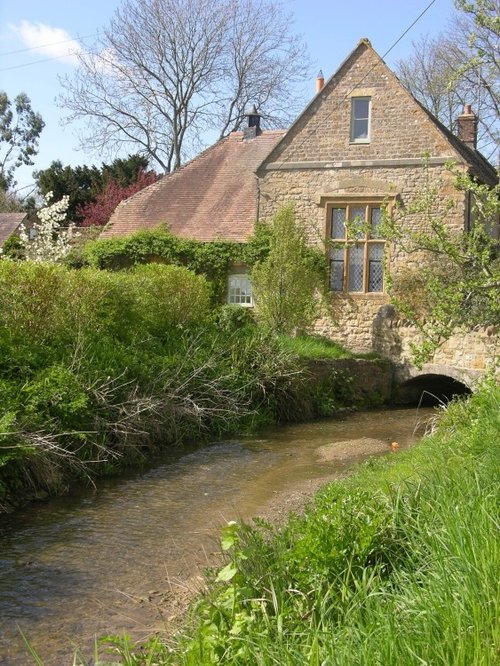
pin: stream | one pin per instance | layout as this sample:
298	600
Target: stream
123	556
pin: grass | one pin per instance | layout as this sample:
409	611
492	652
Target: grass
397	564
314	347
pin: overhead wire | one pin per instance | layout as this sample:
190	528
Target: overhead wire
365	76
37	62
42	46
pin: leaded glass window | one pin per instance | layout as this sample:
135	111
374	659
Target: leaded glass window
356	264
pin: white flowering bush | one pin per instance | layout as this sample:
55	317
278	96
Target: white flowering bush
51	237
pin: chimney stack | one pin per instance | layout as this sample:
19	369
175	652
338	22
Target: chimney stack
467	127
253	128
320	81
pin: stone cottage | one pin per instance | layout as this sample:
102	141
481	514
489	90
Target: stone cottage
361	142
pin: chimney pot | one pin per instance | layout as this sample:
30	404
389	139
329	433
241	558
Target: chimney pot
467	127
320	81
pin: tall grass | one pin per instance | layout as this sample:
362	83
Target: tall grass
399	564
314	347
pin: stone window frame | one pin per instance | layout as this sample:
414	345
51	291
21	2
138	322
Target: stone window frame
367	138
344	244
235	294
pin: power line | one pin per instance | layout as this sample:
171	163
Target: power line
409	28
41	46
356	85
37	62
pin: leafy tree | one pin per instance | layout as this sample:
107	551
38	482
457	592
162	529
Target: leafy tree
461	66
125	171
82	184
457	285
20	129
165	71
288	281
98	212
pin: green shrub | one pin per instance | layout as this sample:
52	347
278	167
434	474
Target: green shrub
231	318
212	260
12	247
170	296
288	281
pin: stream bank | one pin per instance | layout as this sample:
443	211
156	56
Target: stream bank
126	555
283	390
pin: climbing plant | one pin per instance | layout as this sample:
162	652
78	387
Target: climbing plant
457	282
210	259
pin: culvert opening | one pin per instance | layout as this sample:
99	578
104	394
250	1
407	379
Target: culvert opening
430	390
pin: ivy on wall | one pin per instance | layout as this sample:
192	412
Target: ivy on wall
213	259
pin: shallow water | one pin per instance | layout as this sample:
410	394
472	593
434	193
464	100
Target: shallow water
107	560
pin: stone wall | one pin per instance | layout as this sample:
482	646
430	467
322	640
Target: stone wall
466	356
316	166
370	383
350	318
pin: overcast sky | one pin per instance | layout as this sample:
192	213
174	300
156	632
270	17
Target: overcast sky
37	39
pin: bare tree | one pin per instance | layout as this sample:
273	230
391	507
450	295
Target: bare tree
462	65
165	71
263	64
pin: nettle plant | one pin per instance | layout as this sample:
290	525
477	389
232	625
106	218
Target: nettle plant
51	237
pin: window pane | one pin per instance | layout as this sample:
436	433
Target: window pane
357	213
239	290
360	118
376	221
361	108
375	267
360	129
356	253
338	223
337	269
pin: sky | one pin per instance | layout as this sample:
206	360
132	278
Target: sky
38	41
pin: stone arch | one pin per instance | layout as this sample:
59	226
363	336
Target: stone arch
432	386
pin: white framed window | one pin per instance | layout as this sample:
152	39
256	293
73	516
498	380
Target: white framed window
360	119
239	290
356	265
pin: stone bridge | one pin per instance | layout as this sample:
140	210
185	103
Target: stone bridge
457	367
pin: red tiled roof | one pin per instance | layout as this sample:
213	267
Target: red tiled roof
9	223
212	197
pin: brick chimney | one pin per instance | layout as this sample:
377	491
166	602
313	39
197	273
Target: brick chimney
253	128
320	82
467	127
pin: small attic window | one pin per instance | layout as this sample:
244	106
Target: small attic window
360	119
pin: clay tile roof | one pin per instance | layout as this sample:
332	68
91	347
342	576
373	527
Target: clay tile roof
9	223
212	197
